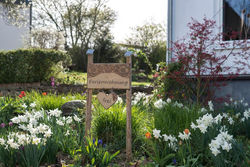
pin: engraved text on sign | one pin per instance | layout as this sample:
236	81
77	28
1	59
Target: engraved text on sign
109	76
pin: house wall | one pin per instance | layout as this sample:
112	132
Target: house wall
237	89
184	10
180	14
11	37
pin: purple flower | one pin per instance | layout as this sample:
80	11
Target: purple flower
99	141
2	125
10	123
174	161
93	141
21	148
52	81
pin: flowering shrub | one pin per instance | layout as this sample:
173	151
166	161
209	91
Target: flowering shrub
199	68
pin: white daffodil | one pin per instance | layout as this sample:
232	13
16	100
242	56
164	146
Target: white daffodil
156	133
13	144
230	120
69	120
2	141
184	136
218	118
48	133
226	146
36	140
211	106
55	112
203	110
159	104
222	140
24	106
67	133
76	118
247	114
33	105
215	151
59	122
193	126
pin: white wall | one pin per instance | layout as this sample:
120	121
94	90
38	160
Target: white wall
11	37
184	10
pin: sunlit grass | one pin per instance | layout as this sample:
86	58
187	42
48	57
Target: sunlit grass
74	77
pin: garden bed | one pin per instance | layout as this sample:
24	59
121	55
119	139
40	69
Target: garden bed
34	133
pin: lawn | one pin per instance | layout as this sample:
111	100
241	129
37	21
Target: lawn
74	77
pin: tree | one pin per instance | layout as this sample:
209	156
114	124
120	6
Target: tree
46	39
14	12
150	40
81	22
205	62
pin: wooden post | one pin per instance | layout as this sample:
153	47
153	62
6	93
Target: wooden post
89	99
129	122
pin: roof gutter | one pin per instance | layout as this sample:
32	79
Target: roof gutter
169	30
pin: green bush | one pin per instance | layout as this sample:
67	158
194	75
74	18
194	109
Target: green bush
29	65
166	86
110	125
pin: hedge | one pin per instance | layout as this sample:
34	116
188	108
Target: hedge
29	65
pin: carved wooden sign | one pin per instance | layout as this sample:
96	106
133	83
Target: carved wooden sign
107	100
110	76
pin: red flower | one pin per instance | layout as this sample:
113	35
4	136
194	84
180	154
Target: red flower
23	93
44	93
156	75
20	95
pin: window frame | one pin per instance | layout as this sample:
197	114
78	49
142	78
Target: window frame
219	16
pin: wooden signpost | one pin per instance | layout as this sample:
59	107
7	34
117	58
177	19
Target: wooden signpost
110	76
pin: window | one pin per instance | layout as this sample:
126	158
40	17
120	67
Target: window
236	19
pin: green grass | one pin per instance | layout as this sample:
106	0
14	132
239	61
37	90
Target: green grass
52	101
134	83
74	77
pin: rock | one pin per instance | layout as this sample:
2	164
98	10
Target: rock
70	107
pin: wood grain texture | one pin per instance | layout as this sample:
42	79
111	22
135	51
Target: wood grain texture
107	100
88	112
119	68
108	81
129	116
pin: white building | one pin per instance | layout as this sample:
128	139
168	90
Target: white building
11	36
230	15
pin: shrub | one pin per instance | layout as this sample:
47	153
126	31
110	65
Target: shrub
166	86
29	65
110	125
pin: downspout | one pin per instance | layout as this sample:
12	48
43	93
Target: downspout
169	31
